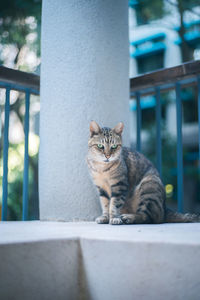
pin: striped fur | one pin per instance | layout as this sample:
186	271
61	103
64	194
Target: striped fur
129	186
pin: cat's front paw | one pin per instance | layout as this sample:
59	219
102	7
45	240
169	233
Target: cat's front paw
128	218
104	219
116	221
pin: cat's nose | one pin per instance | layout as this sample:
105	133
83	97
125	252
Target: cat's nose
107	156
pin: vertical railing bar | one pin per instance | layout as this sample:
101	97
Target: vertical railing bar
198	85
158	132
179	147
26	158
139	117
5	156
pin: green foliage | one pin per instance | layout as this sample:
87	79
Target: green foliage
20	8
20	25
188	5
148	11
15	179
18	19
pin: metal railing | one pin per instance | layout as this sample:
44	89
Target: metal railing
149	84
29	84
154	83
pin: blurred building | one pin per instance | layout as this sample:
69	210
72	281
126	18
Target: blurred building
157	45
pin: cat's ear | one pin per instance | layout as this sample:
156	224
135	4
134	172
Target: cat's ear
119	128
94	128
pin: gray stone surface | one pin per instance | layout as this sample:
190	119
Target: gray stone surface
56	260
39	270
84	77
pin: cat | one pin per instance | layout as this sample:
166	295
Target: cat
129	186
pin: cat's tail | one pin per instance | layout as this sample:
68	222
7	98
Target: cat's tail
175	217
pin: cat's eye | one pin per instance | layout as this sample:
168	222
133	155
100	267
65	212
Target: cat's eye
100	146
114	146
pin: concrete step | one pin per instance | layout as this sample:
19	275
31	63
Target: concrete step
54	260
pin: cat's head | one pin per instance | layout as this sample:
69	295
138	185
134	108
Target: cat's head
105	143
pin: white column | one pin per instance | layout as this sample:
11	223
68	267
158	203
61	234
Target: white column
84	77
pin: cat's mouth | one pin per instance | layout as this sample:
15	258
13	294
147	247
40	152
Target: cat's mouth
106	160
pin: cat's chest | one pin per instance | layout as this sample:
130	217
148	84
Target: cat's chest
102	180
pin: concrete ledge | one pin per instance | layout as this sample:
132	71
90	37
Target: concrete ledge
51	260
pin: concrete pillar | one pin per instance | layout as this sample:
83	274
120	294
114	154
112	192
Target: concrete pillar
84	76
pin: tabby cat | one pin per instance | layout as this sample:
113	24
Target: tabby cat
129	186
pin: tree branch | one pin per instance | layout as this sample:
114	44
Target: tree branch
185	8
